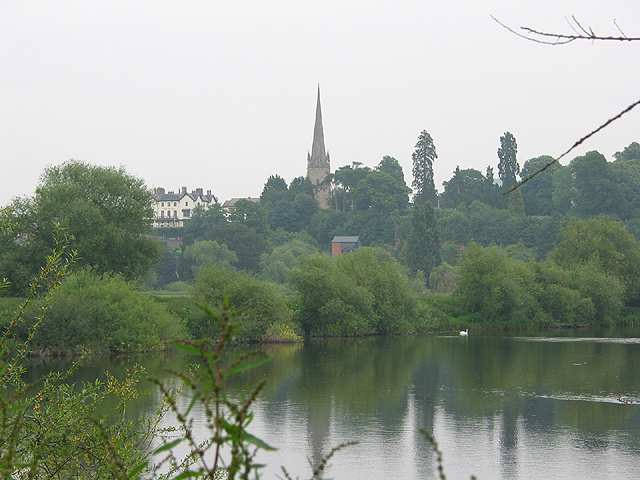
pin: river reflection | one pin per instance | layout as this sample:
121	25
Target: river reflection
561	405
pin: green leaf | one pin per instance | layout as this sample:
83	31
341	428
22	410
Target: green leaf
191	404
247	366
167	446
189	474
192	349
257	442
137	469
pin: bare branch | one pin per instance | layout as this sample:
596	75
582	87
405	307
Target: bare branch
615	22
580	33
601	127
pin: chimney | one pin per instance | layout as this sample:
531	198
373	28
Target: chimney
159	191
208	192
184	190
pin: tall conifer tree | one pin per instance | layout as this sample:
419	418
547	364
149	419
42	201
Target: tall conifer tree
508	166
423	157
423	244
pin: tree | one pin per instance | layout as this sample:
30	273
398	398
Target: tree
494	289
391	166
508	166
301	185
202	222
252	214
276	265
209	252
345	180
594	185
106	210
100	313
631	152
626	170
538	192
381	192
605	242
464	187
423	244
491	191
423	157
244	242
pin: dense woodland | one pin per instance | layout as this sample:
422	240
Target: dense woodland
561	249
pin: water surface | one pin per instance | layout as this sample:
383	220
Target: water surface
556	404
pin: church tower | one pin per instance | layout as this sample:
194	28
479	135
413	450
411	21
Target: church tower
318	167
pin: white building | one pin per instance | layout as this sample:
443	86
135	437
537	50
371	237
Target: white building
172	209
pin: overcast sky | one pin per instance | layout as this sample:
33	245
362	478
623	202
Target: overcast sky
221	94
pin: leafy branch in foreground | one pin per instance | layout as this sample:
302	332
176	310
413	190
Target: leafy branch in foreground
439	459
47	428
228	449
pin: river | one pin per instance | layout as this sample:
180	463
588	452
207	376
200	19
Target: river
559	404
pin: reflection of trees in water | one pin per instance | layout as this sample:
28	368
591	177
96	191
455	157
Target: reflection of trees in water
497	391
497	382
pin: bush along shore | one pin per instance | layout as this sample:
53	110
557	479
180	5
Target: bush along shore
591	278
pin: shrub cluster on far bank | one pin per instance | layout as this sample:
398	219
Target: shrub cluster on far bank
100	313
591	278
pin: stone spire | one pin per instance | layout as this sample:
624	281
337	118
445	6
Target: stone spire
318	165
318	152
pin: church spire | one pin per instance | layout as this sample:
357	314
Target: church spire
318	165
318	152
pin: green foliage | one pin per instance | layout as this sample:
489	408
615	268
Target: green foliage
464	187
345	180
229	449
606	243
202	222
105	209
360	293
100	313
515	202
496	290
252	214
594	184
423	244
487	225
423	157
538	191
246	244
605	291
508	166
443	278
276	265
46	428
258	304
208	252
380	192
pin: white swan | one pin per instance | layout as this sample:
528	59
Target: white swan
465	332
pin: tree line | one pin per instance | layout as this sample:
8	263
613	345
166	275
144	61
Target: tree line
271	255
